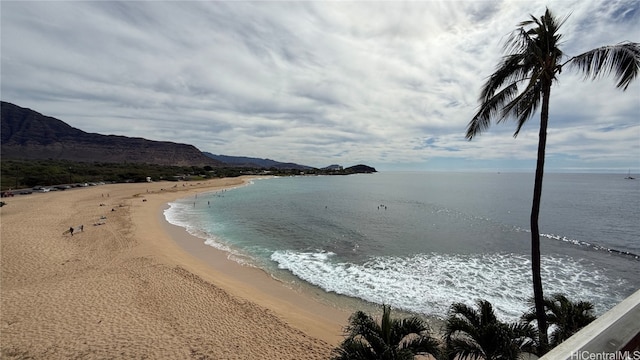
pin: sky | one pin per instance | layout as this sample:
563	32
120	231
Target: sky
388	84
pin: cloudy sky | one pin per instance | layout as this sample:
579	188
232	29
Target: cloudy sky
388	84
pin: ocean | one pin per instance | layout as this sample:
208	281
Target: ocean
421	241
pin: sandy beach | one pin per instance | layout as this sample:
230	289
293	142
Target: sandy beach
131	286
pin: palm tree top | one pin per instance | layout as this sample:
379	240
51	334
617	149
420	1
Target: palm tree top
566	316
390	339
478	334
532	63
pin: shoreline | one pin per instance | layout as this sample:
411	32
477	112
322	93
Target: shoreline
295	306
128	288
334	308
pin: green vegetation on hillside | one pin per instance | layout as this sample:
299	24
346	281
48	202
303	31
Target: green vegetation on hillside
16	174
19	174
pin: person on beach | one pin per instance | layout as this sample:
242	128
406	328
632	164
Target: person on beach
71	230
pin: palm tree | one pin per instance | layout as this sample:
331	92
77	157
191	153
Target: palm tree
479	334
564	317
389	340
522	83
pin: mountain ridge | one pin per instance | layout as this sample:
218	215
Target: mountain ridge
245	161
26	134
29	135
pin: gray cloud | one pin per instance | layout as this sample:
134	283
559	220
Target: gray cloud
392	84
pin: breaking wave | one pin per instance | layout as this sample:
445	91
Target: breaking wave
430	283
585	244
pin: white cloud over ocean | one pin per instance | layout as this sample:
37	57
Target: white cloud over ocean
390	84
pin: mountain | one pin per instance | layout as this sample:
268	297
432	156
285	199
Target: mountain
356	169
28	135
360	169
244	161
334	167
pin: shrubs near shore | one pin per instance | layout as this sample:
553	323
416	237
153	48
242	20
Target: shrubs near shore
468	333
479	334
565	317
390	339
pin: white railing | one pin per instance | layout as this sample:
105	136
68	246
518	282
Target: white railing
615	335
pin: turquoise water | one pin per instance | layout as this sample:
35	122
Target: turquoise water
420	241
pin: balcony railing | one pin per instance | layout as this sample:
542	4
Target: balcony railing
615	335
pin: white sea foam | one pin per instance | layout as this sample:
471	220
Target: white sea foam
426	282
178	214
430	283
582	243
175	214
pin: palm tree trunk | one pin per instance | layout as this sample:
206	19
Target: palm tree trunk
535	231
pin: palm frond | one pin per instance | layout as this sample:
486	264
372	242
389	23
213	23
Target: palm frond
584	306
520	42
360	323
525	336
512	69
390	339
457	327
540	42
422	345
529	316
524	105
567	317
412	325
564	316
386	324
465	349
405	327
621	60
489	110
352	349
364	328
467	313
488	316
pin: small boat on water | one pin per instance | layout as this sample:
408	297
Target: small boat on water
629	177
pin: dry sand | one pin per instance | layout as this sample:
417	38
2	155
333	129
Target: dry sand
136	287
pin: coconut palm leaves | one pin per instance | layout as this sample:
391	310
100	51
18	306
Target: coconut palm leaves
564	317
621	60
515	89
521	85
477	334
388	340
